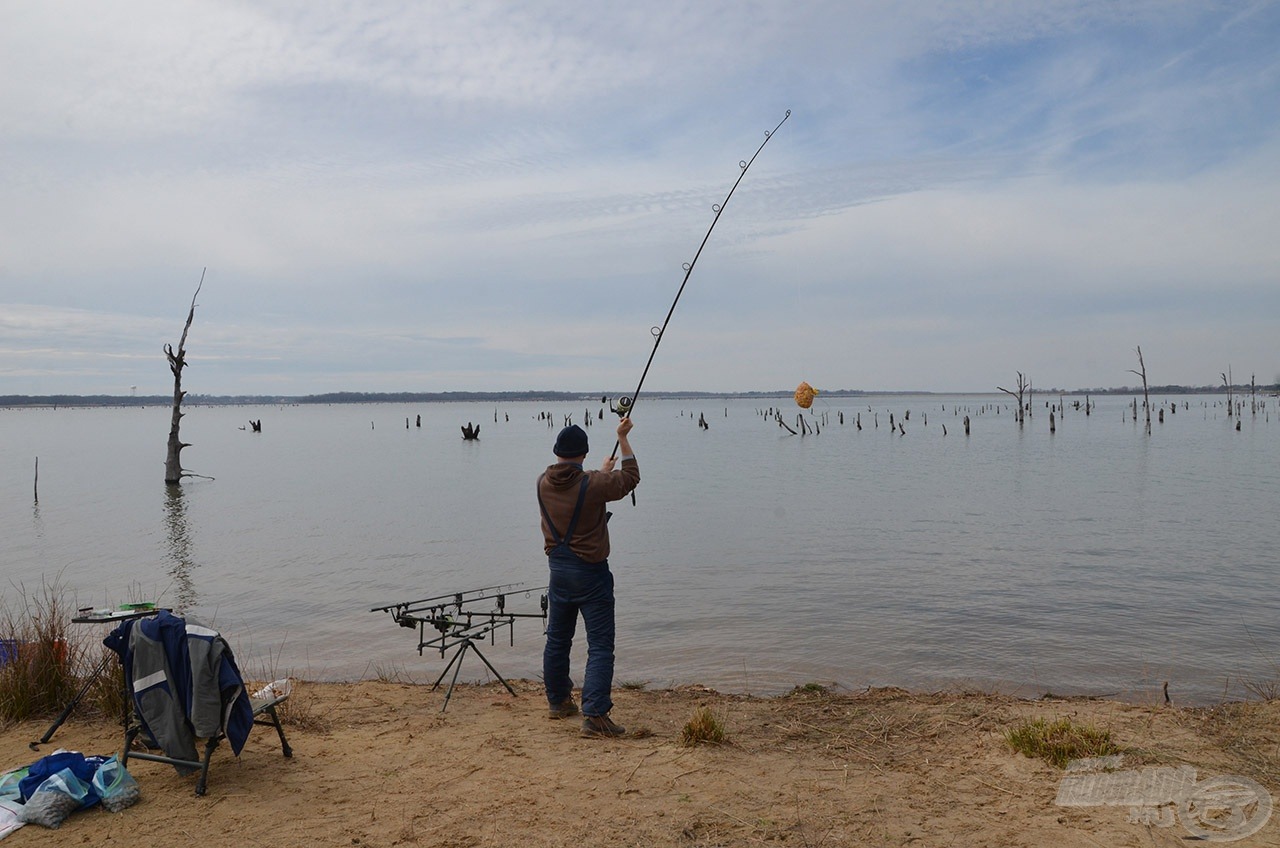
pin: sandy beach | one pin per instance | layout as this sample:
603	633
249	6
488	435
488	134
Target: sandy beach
380	764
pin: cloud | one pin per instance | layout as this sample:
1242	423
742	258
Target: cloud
435	192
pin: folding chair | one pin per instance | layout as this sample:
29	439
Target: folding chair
184	689
259	705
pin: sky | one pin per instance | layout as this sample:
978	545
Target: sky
496	196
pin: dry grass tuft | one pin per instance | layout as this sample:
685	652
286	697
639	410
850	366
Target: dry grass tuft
704	728
1267	690
1248	730
39	663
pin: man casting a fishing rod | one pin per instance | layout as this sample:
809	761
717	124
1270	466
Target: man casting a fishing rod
576	539
575	530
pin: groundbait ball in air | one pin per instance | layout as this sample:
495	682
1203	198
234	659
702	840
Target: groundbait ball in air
804	395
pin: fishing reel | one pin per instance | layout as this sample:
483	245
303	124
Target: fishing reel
622	407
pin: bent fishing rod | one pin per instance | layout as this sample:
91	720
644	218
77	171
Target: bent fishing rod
626	403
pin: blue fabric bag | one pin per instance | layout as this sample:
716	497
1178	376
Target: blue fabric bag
73	761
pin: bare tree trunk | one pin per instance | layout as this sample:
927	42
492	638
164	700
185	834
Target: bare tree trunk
1146	397
173	472
1023	385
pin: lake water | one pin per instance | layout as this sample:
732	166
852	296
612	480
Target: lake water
1094	559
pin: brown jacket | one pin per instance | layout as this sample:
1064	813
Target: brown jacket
558	488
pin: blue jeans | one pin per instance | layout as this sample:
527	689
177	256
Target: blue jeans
574	587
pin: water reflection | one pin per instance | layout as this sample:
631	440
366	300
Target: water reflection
37	523
182	565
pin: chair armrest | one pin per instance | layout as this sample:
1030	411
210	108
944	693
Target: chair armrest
261	705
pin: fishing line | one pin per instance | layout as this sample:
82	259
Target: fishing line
627	403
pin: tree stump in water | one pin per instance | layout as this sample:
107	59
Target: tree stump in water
471	433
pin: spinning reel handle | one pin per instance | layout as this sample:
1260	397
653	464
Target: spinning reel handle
623	407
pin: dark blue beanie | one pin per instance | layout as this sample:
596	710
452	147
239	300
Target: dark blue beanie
572	441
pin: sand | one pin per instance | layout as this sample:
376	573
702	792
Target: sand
380	764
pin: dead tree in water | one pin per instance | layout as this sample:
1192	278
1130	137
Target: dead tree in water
1146	397
1023	385
173	472
471	433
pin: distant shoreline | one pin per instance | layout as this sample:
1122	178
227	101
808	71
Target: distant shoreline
24	401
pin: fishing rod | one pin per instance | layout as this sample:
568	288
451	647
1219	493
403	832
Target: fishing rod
626	403
455	599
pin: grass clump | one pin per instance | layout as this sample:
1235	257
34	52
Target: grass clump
39	662
703	728
1060	741
391	674
1267	690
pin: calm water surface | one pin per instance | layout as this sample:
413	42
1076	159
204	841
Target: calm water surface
1092	559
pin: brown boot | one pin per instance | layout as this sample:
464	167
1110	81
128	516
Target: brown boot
601	726
565	709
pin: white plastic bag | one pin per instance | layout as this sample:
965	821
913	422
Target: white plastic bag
9	821
275	689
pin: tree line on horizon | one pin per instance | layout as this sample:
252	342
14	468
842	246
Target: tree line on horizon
516	396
